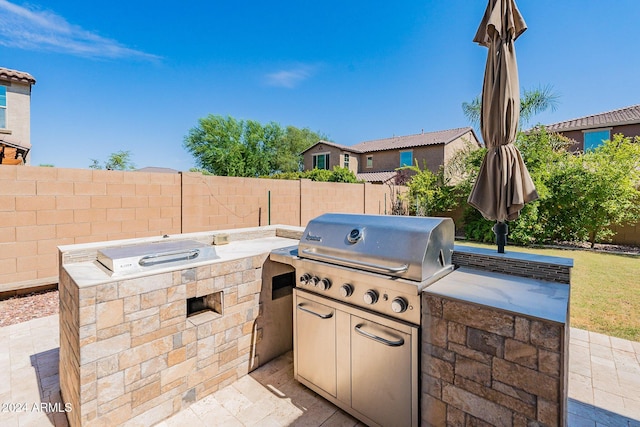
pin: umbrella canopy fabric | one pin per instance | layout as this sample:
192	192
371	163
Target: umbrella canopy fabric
503	185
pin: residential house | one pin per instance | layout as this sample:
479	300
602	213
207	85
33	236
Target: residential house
376	161
588	132
15	116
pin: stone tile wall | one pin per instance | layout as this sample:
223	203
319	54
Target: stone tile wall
517	266
129	355
486	367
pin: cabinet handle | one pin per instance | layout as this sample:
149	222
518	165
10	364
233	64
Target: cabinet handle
322	316
362	332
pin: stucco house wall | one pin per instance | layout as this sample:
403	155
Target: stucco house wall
18	108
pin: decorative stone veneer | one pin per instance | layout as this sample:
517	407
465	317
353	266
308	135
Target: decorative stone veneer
552	269
497	364
132	357
483	366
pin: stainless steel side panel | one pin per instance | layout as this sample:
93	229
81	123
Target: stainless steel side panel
315	343
376	384
380	373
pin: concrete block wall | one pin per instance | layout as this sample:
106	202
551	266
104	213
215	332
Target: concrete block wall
484	366
132	357
41	208
216	203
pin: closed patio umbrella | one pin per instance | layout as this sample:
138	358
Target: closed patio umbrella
503	185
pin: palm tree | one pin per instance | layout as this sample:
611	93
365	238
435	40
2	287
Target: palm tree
532	102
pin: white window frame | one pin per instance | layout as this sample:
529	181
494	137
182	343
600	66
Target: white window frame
345	160
369	162
314	160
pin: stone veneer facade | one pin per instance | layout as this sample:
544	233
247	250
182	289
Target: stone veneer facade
133	357
482	366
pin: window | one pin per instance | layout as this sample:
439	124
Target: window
321	161
406	158
369	161
3	107
345	162
594	139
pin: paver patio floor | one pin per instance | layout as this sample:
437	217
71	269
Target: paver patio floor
604	386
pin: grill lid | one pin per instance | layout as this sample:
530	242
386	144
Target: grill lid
414	248
129	259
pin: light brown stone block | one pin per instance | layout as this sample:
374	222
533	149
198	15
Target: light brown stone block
110	387
176	372
526	379
177	356
479	318
109	313
106	292
104	348
144	394
478	407
153	298
521	353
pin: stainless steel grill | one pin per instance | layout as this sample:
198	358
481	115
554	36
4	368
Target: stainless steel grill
357	309
414	248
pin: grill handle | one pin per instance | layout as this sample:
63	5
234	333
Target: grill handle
362	332
322	316
149	260
369	265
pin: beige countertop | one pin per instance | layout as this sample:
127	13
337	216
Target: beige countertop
92	273
530	297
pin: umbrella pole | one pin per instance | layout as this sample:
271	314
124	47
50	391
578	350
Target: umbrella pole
500	229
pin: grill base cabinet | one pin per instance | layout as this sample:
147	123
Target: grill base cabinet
362	362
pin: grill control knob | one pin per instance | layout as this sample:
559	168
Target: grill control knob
399	305
346	290
314	281
370	297
304	279
324	284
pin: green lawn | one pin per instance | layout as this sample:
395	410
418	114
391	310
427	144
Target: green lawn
605	290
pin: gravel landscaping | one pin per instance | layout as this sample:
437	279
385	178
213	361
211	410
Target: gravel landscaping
29	306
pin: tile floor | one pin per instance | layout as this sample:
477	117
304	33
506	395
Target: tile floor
604	387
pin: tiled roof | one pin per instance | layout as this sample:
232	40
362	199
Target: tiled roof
382	177
13	142
419	140
14	75
622	116
333	144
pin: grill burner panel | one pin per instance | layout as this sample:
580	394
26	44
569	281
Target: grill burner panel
134	258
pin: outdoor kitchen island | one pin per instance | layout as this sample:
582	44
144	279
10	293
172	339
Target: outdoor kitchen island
135	348
140	344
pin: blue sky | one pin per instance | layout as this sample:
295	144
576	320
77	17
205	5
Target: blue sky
137	75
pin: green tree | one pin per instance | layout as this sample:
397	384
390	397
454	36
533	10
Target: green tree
120	160
595	190
338	174
532	102
430	193
230	147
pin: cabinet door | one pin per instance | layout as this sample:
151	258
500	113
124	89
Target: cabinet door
315	344
381	373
